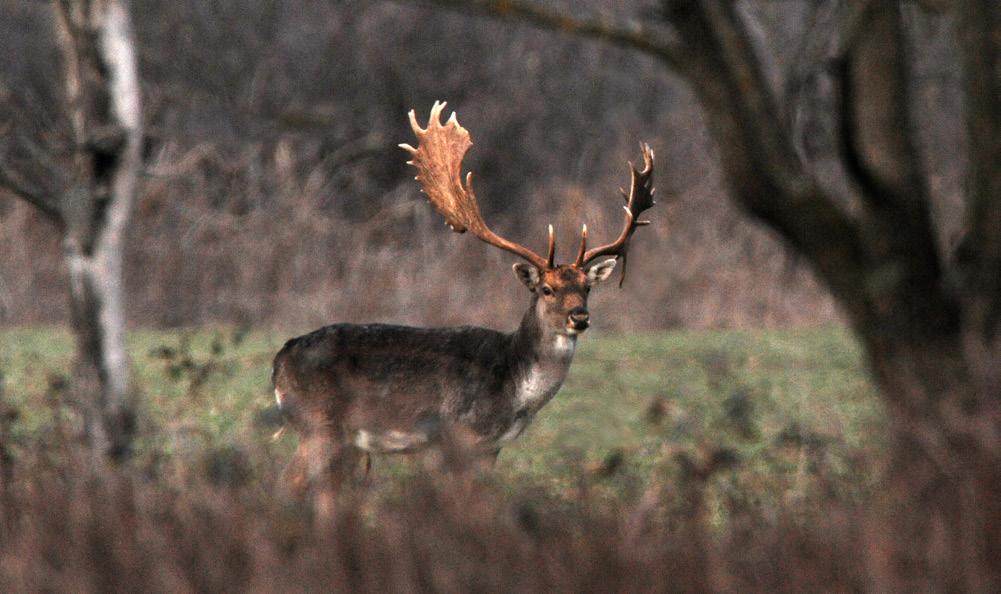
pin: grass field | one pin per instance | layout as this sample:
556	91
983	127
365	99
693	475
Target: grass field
791	413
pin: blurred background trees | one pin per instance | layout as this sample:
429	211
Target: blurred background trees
273	132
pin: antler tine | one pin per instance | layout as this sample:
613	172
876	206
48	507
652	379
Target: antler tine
579	262
551	257
438	160
640	199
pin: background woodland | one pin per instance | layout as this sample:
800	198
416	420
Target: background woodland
274	192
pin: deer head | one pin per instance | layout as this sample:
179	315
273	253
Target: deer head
559	291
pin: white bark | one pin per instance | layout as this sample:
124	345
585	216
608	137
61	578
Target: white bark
102	84
117	46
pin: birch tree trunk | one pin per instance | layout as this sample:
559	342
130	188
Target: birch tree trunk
102	89
91	206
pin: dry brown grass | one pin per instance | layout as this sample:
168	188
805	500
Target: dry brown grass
199	254
119	530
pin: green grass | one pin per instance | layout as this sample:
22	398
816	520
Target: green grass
793	411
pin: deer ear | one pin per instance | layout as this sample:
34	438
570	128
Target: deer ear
527	274
601	271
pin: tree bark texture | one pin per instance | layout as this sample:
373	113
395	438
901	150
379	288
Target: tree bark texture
102	89
922	324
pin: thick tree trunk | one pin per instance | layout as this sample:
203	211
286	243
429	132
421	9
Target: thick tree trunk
938	520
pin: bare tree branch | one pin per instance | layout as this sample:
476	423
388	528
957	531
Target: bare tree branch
765	174
44	159
855	165
876	96
980	41
627	35
11	180
879	154
808	64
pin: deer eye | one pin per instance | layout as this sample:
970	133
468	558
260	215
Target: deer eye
587	290
546	291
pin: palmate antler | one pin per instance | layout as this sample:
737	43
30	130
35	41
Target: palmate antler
438	160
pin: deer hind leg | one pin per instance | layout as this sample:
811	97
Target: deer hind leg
322	464
298	475
488	460
313	464
366	467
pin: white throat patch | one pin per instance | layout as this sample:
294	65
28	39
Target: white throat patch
545	377
564	346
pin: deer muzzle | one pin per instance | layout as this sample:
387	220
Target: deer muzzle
579	319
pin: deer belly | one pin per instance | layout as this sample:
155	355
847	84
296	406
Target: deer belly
391	441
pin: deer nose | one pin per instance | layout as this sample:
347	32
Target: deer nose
579	318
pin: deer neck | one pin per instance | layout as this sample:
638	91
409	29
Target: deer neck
542	359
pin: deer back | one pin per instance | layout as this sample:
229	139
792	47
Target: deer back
379	376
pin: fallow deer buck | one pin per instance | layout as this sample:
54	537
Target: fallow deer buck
351	389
